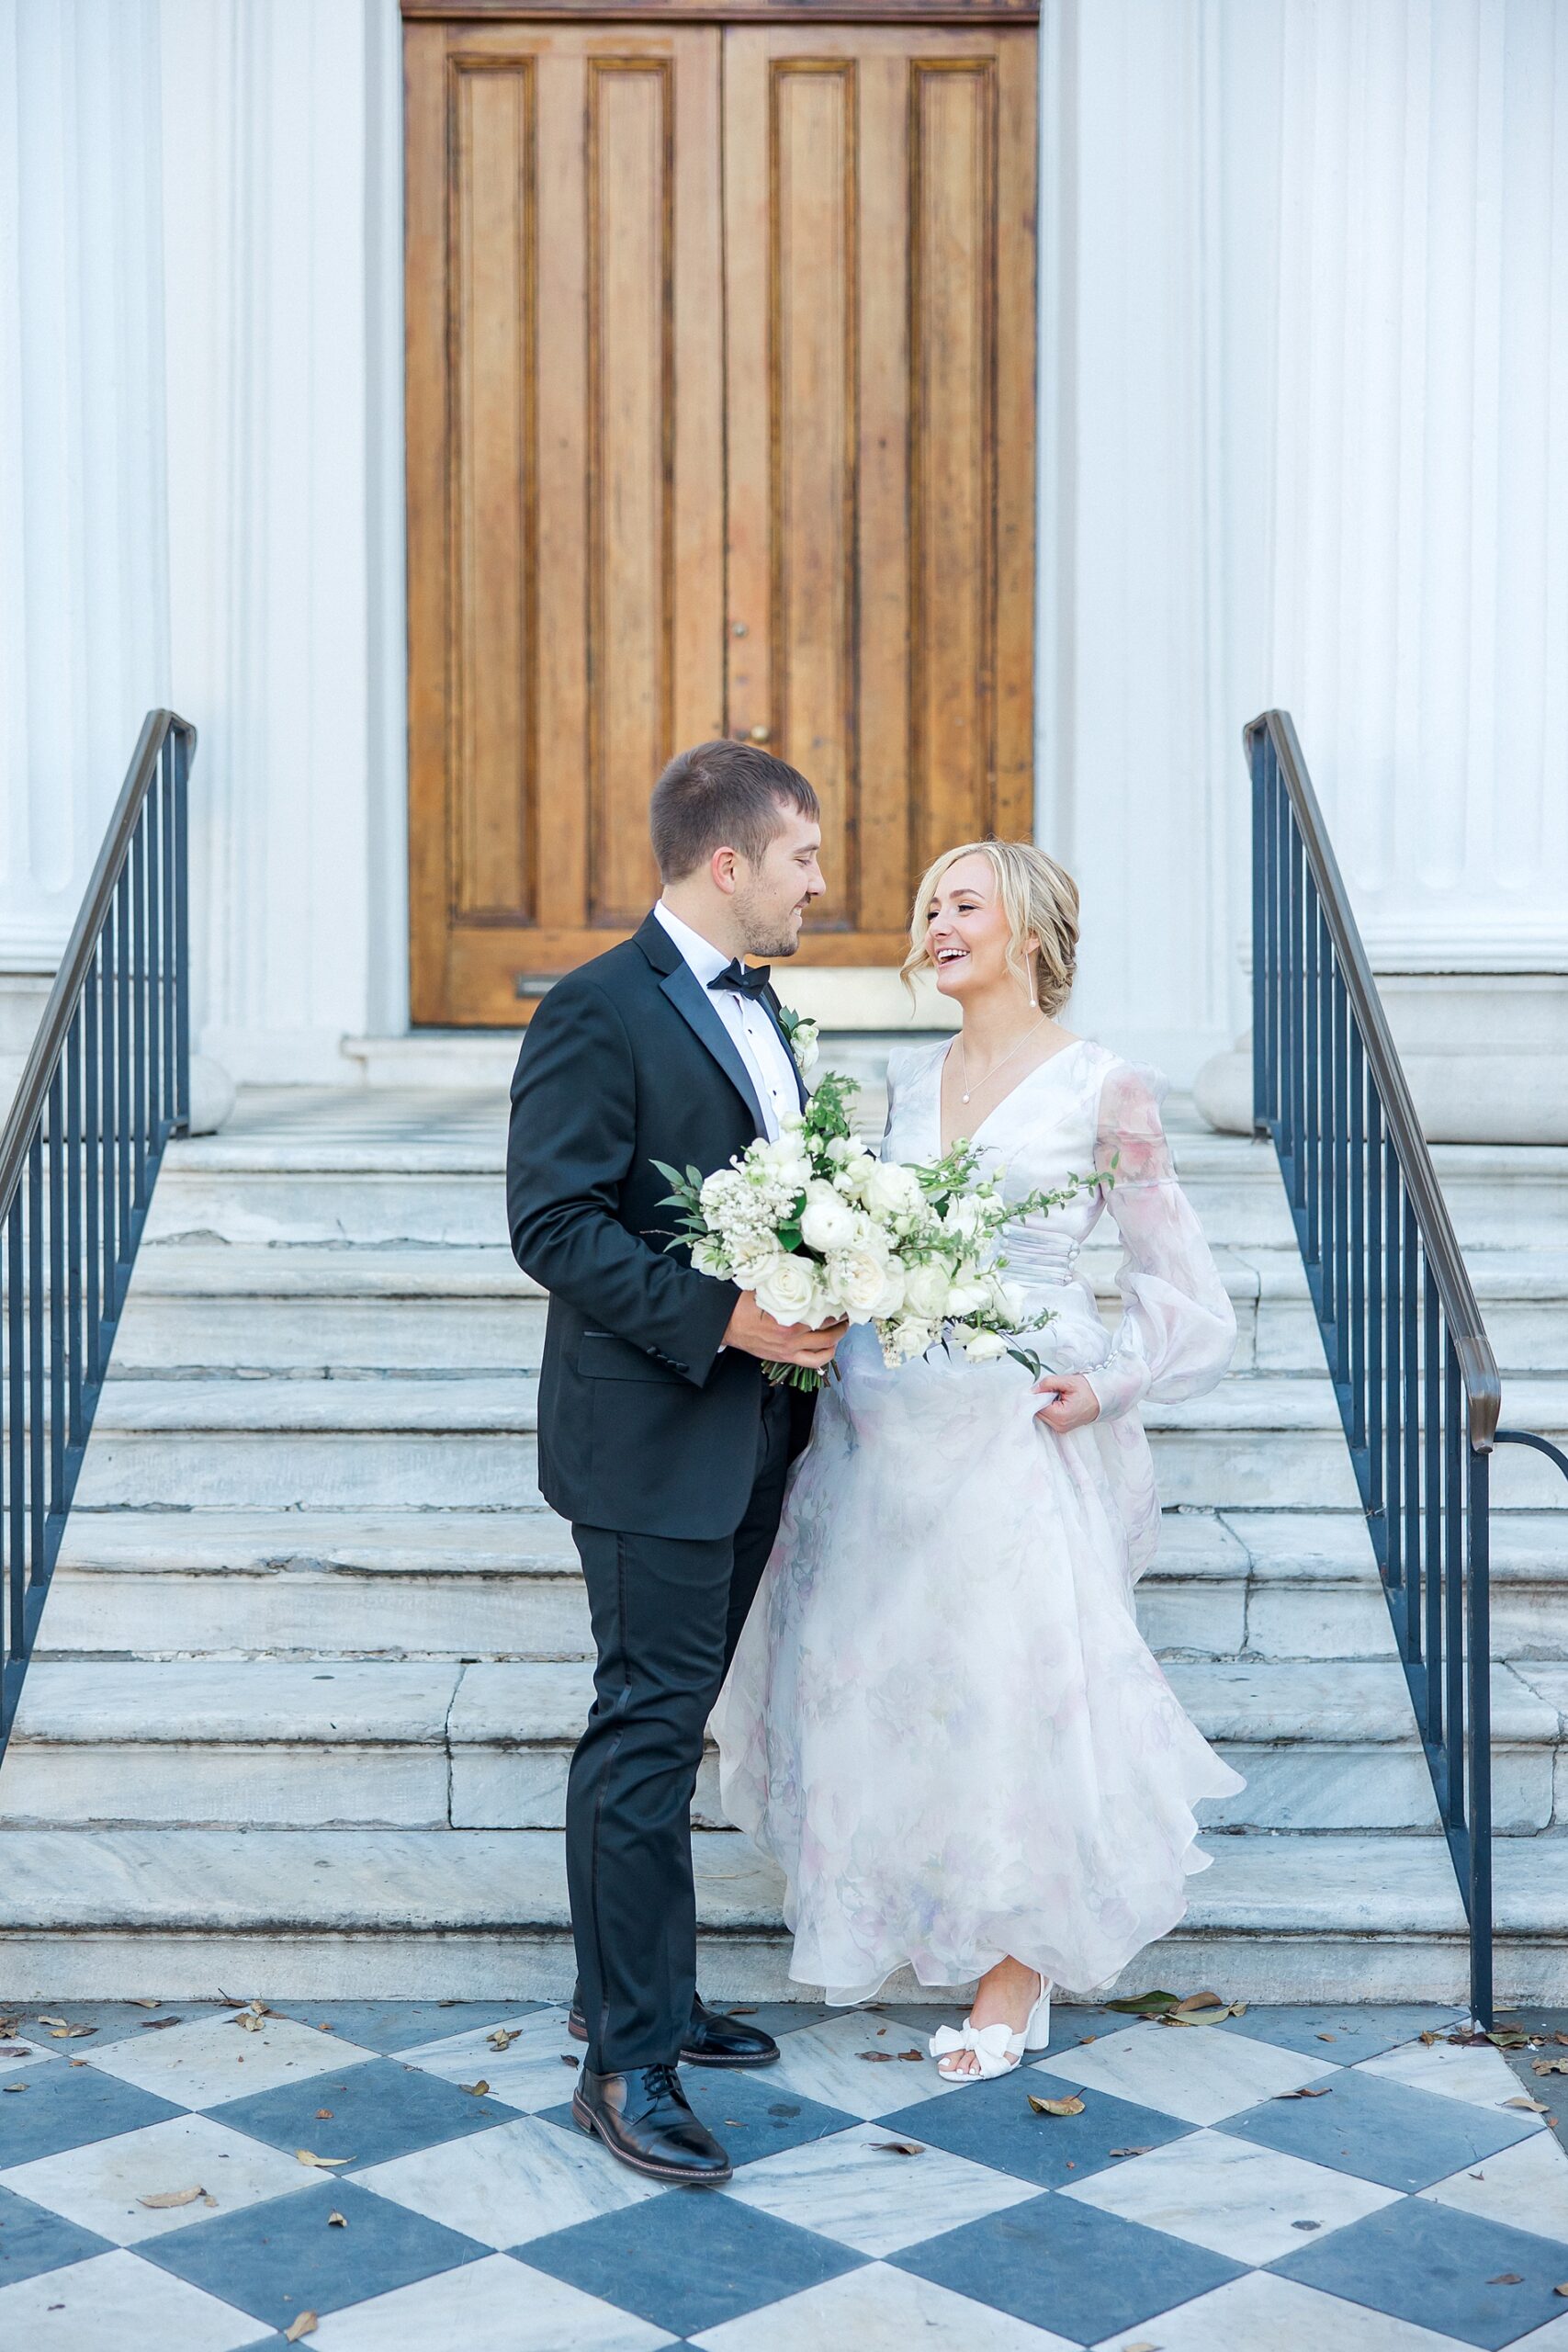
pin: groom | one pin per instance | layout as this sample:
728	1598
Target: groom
660	1437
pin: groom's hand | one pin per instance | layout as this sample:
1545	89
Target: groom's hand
755	1331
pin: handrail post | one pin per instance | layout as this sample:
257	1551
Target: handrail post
1479	1745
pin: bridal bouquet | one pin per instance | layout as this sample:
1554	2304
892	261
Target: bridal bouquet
822	1229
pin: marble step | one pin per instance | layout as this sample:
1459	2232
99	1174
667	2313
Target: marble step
481	1914
1257	1441
308	1307
502	1584
427	1178
1324	1746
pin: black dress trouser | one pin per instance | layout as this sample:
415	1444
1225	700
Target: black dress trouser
667	1615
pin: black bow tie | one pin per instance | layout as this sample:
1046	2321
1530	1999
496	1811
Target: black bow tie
736	975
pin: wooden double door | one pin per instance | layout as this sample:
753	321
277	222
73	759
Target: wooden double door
720	394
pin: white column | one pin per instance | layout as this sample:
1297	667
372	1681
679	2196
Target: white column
84	557
287	574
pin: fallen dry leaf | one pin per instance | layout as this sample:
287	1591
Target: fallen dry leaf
1536	2106
742	2013
898	2147
165	2199
1198	2001
321	2164
304	2326
567	2059
1143	2345
337	2222
71	2032
13	2086
501	2039
1507	2278
43	2021
475	2090
1205	2016
1143	2004
877	2057
1560	2291
1428	2040
1055	2105
323	2115
1561	2037
1132	2152
1510	2041
1549	2065
915	2055
14	2050
1307	2090
140	2001
1328	2037
156	2025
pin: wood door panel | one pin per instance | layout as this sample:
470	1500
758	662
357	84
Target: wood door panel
564	260
720	386
880	376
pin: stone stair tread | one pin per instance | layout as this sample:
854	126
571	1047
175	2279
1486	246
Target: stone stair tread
305	1270
534	1702
483	1404
395	1543
1248	1402
383	1881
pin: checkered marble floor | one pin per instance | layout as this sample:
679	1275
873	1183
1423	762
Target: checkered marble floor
408	2173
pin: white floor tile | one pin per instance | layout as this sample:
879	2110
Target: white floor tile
878	2310
853	2061
1481	2076
1525	2186
100	2185
495	2305
34	2054
852	2189
528	2074
519	2181
1232	2197
117	2303
211	2059
1200	2073
1262	2314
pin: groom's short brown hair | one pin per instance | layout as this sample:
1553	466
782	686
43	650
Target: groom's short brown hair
722	796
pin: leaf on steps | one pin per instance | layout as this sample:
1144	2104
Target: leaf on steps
1132	2152
1055	2105
157	2025
1307	2090
1145	2004
162	2200
1550	2066
71	2032
475	2090
898	2147
1535	2106
14	2050
501	2039
336	2222
304	2326
1507	2278
13	2086
321	2164
140	2001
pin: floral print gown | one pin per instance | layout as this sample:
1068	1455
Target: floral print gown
942	1720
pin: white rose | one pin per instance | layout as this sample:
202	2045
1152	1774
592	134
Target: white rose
891	1188
788	1290
893	1291
828	1224
841	1150
911	1336
1005	1298
709	1257
858	1283
981	1347
966	1298
803	1046
925	1289
751	1265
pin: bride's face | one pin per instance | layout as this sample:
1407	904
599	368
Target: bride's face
967	938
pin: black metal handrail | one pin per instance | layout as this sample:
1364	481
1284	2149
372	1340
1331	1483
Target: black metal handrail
1413	1369
107	1083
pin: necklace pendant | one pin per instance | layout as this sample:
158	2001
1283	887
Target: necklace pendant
966	1098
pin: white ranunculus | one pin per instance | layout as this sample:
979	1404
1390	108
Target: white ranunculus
857	1283
891	1188
981	1347
926	1288
963	1214
827	1224
788	1290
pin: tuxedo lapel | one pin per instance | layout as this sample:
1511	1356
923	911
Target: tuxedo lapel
771	1000
698	1009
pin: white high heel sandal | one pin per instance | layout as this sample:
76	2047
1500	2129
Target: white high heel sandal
996	2050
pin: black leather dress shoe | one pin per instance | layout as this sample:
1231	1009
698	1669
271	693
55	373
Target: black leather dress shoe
711	2039
644	2117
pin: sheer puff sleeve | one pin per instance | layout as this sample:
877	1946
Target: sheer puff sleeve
1178	1326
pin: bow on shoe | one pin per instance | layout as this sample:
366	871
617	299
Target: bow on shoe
989	2043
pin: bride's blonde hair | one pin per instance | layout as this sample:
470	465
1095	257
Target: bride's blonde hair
1040	899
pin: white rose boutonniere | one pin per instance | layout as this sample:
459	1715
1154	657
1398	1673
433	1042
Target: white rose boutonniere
803	1036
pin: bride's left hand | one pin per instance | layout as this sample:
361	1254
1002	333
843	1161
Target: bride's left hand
1070	1402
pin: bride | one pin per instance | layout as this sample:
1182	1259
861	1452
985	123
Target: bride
942	1720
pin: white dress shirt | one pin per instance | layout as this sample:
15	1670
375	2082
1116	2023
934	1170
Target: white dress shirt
769	1063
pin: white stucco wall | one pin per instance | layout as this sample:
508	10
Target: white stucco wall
1304	404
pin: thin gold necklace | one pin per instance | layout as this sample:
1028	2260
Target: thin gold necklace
963	1058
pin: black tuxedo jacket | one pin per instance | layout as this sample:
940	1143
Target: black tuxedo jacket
645	1423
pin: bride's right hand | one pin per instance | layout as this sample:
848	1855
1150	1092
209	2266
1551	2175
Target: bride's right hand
1067	1401
753	1330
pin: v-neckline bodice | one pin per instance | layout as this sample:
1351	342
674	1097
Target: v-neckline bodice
996	1110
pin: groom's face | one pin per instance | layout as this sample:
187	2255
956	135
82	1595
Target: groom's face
771	897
